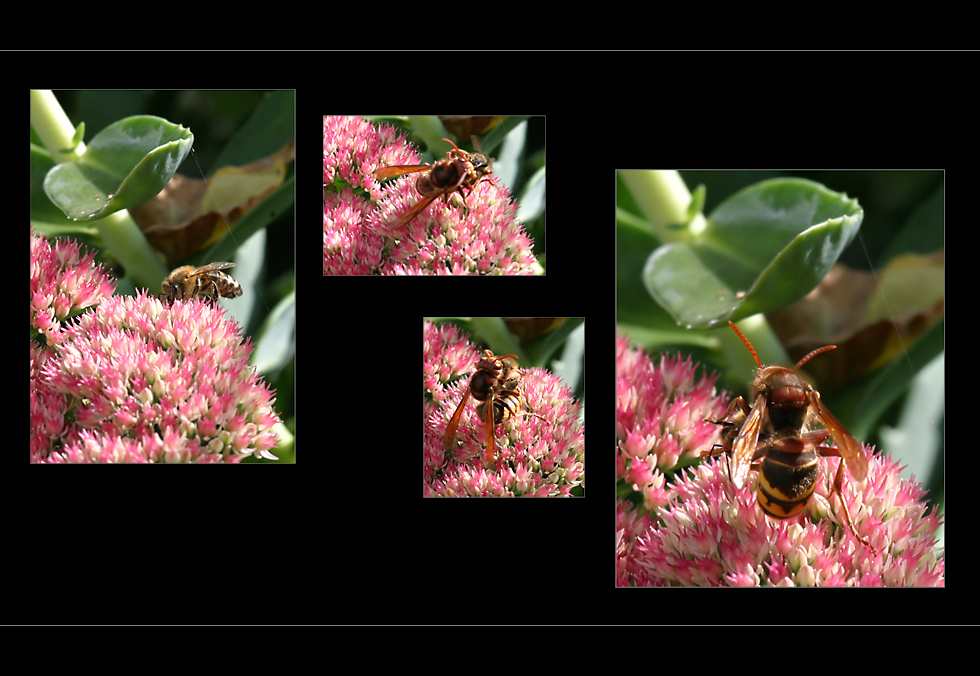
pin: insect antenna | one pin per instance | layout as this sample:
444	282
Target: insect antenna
819	350
748	344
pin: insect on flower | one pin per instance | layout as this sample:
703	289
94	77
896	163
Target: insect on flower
776	437
207	282
497	384
460	171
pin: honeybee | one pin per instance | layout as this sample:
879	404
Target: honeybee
460	170
776	438
207	282
497	383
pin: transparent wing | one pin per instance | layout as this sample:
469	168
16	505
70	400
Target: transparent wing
849	447
415	210
747	441
210	267
400	170
450	438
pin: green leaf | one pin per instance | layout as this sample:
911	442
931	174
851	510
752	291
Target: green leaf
763	248
276	344
864	401
126	164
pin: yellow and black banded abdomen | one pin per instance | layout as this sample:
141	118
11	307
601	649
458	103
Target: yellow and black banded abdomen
786	482
506	406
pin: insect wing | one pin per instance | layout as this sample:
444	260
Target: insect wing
415	210
747	441
490	420
849	447
400	170
490	416
450	438
210	267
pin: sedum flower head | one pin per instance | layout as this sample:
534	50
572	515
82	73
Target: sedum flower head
139	381
714	534
699	529
534	457
661	405
359	237
64	281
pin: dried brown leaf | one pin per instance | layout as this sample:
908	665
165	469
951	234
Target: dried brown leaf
189	214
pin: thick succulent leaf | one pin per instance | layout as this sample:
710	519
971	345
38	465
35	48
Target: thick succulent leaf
126	164
763	248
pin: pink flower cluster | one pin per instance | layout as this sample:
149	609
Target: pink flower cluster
698	529
445	239
135	380
714	534
534	457
660	411
64	281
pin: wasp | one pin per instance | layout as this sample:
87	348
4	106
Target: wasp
459	171
776	437
497	384
207	282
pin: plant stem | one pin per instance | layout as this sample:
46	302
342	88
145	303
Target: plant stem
664	200
763	339
53	127
124	240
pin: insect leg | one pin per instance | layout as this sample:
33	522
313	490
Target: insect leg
838	486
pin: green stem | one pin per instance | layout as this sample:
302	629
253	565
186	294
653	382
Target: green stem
54	128
664	200
124	240
763	339
430	130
